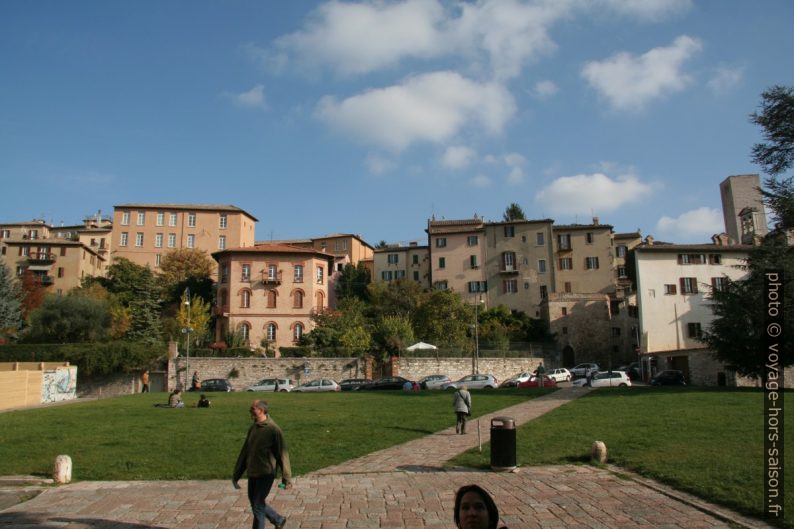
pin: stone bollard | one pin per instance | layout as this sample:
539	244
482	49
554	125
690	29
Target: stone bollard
599	452
62	471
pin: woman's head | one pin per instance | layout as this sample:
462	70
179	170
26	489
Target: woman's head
475	509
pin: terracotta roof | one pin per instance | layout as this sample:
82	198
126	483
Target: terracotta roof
522	221
668	247
197	207
581	226
628	235
273	248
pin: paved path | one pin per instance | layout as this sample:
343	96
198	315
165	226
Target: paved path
400	487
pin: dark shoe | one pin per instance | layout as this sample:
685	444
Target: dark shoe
282	524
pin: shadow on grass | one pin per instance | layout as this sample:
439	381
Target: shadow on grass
417	430
45	521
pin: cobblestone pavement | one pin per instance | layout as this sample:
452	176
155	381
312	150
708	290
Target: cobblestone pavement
400	487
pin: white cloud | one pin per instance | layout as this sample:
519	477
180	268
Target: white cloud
377	164
480	181
431	107
648	9
630	82
457	157
516	164
586	193
725	79
545	89
254	98
697	223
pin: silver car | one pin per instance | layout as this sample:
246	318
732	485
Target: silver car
272	384
516	379
321	384
473	382
433	381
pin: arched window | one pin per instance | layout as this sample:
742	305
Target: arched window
271	332
297	299
319	301
297	331
245	298
245	331
271	299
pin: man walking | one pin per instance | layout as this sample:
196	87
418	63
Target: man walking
461	401
145	381
263	451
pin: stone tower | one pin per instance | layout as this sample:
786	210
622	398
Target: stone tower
738	193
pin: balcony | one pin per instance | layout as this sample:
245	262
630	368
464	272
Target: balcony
42	257
271	279
509	269
245	278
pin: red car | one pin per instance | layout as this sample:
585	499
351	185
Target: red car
548	382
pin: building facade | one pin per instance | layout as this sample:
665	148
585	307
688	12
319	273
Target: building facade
741	192
268	292
457	257
584	257
410	262
338	245
143	233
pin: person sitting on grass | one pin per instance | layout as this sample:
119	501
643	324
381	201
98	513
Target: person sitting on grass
203	402
175	399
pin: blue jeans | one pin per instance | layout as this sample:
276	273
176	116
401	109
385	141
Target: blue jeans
258	489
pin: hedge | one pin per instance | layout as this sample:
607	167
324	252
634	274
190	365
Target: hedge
90	358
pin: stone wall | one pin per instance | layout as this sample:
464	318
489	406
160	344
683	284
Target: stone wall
108	386
704	370
455	368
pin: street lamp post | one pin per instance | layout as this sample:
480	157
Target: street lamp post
477	335
187	330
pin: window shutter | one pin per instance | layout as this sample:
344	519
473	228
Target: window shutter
683	285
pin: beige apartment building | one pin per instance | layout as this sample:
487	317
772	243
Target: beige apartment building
403	262
584	258
338	245
457	257
268	292
143	233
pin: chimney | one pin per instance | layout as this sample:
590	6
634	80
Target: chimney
649	240
595	221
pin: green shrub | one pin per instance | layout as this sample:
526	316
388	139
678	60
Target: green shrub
90	358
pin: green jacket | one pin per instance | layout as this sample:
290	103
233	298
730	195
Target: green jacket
263	451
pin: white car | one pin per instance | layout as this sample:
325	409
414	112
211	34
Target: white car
321	384
433	381
270	384
610	379
560	374
516	379
473	382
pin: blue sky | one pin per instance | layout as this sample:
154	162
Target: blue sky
369	117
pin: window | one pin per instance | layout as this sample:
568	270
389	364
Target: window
124	237
588	237
509	286
157	259
565	311
510	232
393	258
272	272
320	275
472	240
298	273
160	218
63	251
191	241
3	250
473	261
245	272
125	218
34	234
297	299
297	331
509	261
441	285
319	300
565	330
567	287
222	242
141	218
222	221
478	286
566	263
615	332
225	273
715	258
271	332
416	276
691	258
694	330
60	271
622	272
441	242
245	299
415	260
622	251
669	290
245	331
542	266
544	292
564	241
719	284
386	275
442	262
540	238
5	234
340	245
191	220
172	240
271	299
172	219
158	240
591	263
689	285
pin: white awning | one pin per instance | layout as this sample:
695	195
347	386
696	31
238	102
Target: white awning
40	268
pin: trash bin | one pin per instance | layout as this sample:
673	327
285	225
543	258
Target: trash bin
503	444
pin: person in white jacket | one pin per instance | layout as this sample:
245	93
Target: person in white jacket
461	401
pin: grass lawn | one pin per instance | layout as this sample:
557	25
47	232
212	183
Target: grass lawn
126	438
705	441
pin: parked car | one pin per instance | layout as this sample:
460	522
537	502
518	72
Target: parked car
560	374
215	384
582	370
632	370
670	377
353	384
433	381
386	383
610	379
474	382
516	379
270	384
581	382
534	382
320	384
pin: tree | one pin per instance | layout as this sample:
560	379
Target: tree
444	319
32	292
513	212
353	282
186	268
144	315
402	297
197	318
69	319
393	334
124	278
10	304
776	117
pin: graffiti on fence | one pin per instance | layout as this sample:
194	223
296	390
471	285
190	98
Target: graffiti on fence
59	384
